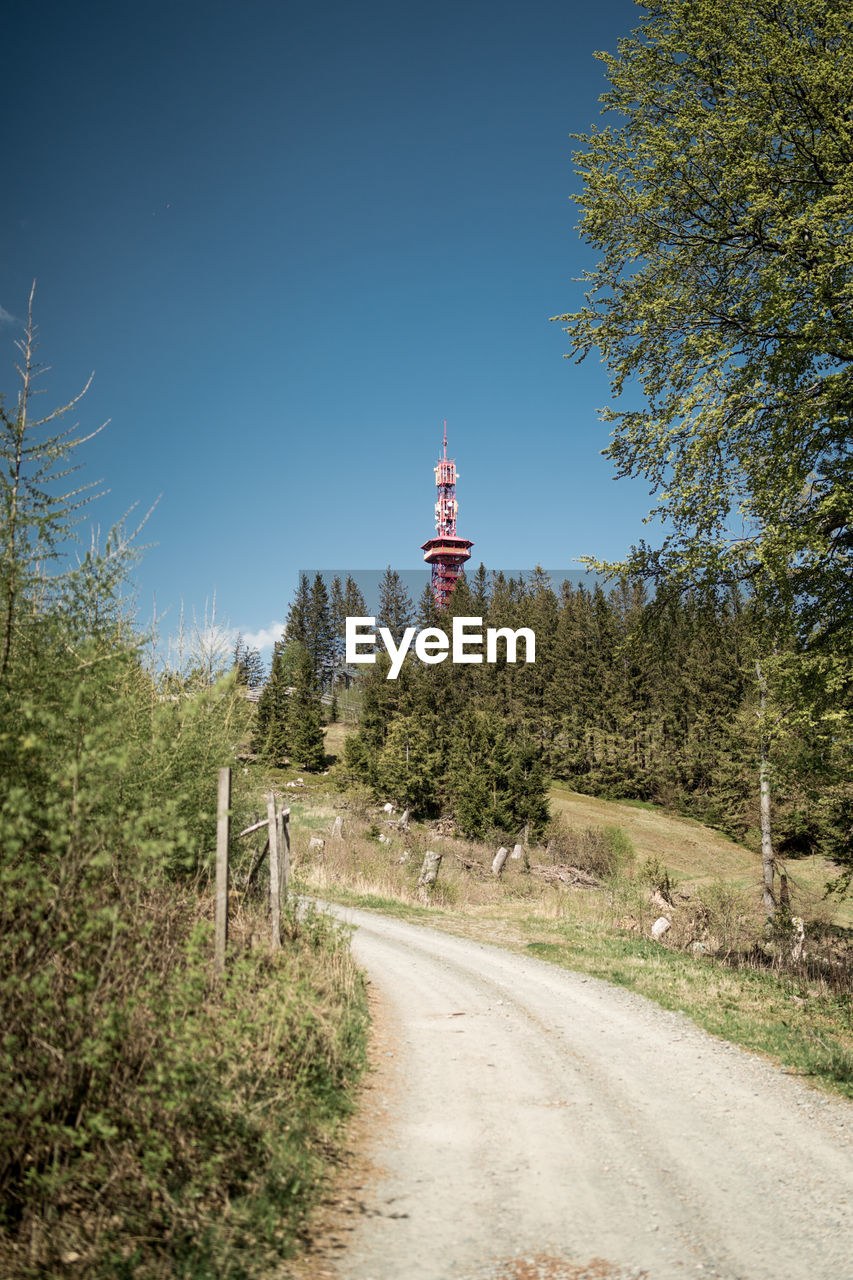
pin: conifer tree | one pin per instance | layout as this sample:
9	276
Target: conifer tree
395	606
480	591
319	639
271	736
427	613
306	735
354	604
297	628
248	664
337	616
409	764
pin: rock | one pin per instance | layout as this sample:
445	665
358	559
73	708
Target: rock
658	900
700	949
316	843
516	851
389	808
383	839
660	927
338	829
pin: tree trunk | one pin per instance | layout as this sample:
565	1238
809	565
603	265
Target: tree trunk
767	859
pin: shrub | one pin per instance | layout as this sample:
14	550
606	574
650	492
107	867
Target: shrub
599	851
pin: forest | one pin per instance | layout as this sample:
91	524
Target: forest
652	697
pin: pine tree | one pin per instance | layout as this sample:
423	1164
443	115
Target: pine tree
354	605
409	765
248	665
395	606
319	639
427	613
307	747
480	591
271	720
338	616
297	628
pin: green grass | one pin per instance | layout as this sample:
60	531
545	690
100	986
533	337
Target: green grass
206	1161
808	1034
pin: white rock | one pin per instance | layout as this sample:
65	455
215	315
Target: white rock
660	927
389	808
316	843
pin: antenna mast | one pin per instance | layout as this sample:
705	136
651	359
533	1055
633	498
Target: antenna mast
447	552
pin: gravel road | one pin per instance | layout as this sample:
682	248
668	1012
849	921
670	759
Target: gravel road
537	1124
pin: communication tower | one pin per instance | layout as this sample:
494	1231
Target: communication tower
446	553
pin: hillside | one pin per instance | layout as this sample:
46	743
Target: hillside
695	855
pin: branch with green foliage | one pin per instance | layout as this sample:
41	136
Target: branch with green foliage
720	202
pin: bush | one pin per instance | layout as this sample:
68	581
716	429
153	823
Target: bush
176	1126
601	852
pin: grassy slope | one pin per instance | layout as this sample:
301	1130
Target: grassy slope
804	1026
695	855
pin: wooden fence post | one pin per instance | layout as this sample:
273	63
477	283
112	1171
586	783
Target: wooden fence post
275	872
223	839
285	851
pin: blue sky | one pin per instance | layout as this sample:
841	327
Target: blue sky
291	240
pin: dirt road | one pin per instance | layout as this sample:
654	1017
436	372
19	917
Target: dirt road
537	1124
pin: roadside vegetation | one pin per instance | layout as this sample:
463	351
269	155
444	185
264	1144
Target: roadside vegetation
154	1122
587	898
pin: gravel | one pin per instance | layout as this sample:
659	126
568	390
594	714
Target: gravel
538	1124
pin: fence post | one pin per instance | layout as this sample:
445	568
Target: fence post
285	852
275	872
223	839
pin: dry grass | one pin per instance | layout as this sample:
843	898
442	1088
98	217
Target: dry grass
696	856
715	963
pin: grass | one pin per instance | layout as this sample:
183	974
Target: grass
210	1108
807	1031
696	855
748	992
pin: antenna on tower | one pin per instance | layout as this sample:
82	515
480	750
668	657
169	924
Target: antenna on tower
447	552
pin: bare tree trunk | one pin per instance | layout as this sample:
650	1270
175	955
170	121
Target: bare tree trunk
767	858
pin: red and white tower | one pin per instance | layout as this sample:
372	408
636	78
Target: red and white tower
446	553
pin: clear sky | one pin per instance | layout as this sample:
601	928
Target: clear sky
291	239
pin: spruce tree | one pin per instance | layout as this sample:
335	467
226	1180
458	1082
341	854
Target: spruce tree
297	628
337	615
395	607
319	639
271	721
354	604
307	747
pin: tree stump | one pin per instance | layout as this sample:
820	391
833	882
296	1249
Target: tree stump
499	860
429	874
